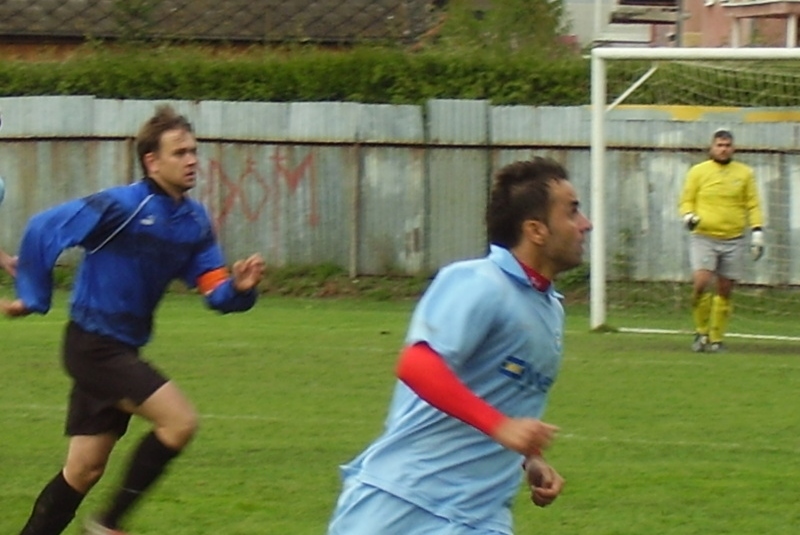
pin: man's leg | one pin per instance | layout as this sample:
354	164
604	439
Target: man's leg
55	507
175	423
720	311
730	269
701	312
701	307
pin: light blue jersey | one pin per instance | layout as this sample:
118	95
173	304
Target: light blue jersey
502	338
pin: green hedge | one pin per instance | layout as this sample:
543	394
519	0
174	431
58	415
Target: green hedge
370	75
388	75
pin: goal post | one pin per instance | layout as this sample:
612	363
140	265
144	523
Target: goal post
601	106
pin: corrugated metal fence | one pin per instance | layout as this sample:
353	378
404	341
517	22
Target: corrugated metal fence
379	188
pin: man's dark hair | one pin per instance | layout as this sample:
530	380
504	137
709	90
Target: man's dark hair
520	191
723	133
149	137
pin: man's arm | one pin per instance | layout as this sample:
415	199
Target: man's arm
234	291
755	218
224	291
687	204
428	375
46	236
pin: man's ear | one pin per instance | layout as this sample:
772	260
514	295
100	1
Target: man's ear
535	231
150	163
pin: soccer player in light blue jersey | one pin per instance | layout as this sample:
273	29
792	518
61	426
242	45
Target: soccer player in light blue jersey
482	352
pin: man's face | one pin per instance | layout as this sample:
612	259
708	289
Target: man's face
567	227
721	150
174	165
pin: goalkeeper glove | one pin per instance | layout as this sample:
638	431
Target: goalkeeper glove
757	244
691	220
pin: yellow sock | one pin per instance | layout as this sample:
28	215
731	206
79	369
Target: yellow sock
720	312
701	312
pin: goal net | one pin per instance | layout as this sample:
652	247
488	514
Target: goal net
653	115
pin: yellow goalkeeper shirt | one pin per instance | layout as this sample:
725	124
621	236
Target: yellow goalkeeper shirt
724	197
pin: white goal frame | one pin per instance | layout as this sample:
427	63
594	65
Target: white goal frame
599	108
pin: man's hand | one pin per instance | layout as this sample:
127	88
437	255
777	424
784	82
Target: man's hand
757	244
248	273
691	220
13	309
544	482
524	435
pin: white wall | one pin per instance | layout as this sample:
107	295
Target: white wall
582	14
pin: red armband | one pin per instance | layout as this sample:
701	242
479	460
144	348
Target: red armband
208	281
426	373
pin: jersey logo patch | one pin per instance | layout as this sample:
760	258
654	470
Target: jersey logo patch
148	221
513	367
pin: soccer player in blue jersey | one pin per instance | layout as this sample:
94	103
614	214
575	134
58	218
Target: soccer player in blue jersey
137	239
482	352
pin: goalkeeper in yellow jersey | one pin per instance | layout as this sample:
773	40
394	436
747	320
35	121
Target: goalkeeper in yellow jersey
718	203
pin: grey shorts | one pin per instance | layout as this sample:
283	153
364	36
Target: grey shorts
104	371
723	257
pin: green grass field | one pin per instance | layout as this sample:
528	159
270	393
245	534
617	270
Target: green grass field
654	439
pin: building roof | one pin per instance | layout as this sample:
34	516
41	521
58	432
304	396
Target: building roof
331	21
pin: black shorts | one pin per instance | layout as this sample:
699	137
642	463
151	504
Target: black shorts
104	371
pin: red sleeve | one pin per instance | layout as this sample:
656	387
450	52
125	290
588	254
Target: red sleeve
426	373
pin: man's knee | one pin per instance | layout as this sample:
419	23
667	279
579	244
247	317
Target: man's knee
179	430
725	287
82	475
174	417
188	426
86	459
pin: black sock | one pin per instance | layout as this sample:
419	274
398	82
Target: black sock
148	462
54	509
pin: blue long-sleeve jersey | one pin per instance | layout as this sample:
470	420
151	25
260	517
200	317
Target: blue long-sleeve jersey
136	240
